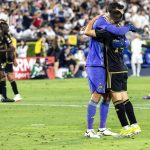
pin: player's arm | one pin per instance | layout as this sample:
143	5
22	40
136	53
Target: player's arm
120	43
88	30
102	23
104	35
101	34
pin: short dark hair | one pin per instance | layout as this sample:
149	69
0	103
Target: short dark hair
113	6
116	15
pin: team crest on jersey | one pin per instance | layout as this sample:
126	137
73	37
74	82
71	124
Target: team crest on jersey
100	87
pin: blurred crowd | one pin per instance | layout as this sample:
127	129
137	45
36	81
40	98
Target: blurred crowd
56	24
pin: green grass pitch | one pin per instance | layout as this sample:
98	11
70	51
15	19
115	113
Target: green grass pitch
52	116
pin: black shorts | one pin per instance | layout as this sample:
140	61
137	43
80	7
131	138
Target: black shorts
118	82
9	68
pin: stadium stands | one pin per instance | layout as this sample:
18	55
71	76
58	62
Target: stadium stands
58	22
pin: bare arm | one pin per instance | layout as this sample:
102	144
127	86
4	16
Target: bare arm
88	30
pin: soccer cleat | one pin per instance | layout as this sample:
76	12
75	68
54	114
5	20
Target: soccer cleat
7	100
126	132
1	97
136	130
106	132
91	134
17	98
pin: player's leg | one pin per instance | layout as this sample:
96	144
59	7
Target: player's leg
133	65
103	110
95	79
129	107
120	109
116	84
9	71
130	114
91	111
3	89
138	69
139	62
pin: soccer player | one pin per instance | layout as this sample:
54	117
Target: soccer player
10	76
9	73
136	58
6	54
117	76
10	59
97	74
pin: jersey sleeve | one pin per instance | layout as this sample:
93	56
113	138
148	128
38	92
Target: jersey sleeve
102	23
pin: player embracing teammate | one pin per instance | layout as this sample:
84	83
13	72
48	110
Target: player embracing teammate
106	70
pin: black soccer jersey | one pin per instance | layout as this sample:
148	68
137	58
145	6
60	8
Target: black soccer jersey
5	42
113	56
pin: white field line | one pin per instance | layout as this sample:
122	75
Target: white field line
136	106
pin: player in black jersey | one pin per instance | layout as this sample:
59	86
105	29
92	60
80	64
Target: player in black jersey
6	55
117	77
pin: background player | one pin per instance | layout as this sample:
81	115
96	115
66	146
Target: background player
6	53
9	62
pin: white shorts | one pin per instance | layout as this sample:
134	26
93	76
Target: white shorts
136	59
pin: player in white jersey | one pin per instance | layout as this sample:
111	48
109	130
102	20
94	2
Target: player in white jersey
136	59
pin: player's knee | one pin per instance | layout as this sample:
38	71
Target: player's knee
125	96
116	96
96	97
10	77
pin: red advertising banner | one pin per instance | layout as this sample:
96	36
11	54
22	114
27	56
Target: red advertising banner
22	71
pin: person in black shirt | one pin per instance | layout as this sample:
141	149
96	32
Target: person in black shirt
6	56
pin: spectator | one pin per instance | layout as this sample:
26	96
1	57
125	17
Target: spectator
54	51
80	58
38	71
22	49
64	18
39	45
37	20
27	20
68	60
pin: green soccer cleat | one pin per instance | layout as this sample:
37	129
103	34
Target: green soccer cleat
136	130
125	133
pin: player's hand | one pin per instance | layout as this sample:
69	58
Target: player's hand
118	43
131	27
